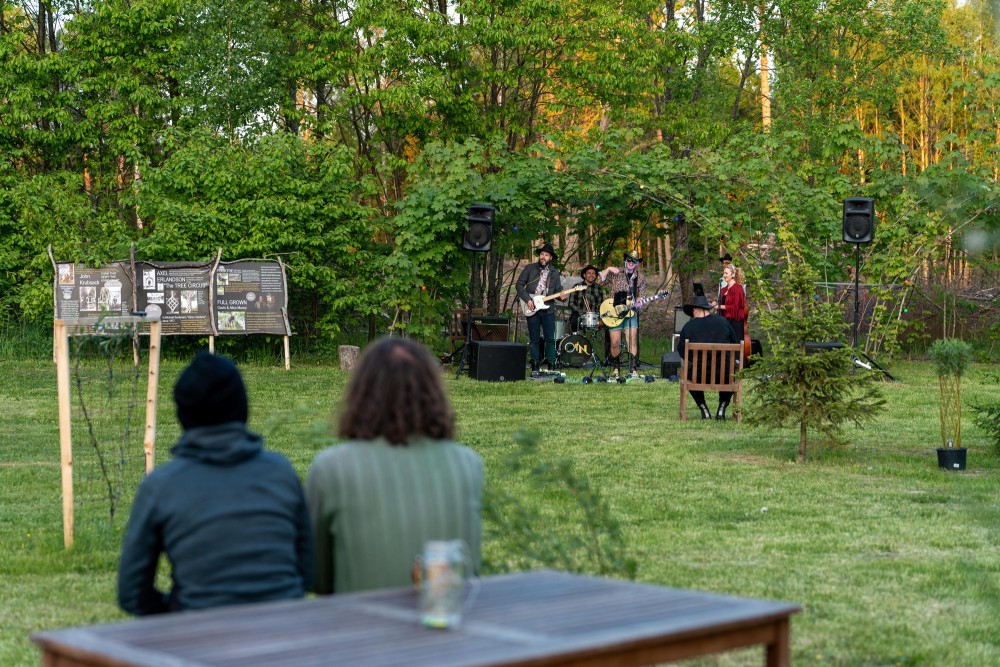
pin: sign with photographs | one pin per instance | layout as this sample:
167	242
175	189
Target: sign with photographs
179	293
250	297
82	291
190	298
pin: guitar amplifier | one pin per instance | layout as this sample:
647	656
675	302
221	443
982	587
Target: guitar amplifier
680	319
497	361
494	328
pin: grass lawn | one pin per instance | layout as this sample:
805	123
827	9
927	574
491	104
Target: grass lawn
894	561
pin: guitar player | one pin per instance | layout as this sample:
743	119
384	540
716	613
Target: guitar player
625	285
542	279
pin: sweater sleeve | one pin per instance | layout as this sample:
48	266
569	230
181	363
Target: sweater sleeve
316	497
304	547
137	593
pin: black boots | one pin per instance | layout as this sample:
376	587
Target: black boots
705	414
721	413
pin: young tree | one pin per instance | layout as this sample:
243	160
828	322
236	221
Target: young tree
792	386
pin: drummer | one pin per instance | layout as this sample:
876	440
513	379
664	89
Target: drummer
585	305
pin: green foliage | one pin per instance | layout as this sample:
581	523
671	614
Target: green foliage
987	416
593	543
951	358
792	387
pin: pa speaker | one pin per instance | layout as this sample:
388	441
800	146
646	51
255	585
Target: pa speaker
479	232
859	219
497	362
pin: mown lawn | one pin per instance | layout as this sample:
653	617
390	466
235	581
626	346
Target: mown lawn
894	561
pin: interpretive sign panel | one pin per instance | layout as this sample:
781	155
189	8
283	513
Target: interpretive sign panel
251	297
179	293
83	291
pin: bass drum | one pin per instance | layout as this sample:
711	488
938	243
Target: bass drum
575	350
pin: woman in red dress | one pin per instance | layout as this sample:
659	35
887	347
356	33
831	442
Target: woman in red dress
733	301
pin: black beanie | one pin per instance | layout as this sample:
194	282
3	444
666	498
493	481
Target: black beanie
210	391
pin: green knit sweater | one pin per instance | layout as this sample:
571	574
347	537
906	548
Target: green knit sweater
373	506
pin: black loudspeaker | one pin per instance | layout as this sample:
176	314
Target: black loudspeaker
497	362
670	365
813	348
479	234
859	219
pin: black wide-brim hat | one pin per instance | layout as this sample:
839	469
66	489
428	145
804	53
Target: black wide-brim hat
726	258
588	268
546	248
699	302
632	255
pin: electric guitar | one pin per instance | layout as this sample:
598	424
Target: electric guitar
540	301
613	315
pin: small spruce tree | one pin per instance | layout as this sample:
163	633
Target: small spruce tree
819	391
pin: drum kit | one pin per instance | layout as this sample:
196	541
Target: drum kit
577	349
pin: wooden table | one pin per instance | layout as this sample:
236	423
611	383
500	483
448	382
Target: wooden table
532	618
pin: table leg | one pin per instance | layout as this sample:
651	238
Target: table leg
779	651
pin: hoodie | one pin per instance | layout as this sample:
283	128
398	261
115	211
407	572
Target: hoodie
230	517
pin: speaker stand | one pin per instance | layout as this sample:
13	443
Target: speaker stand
468	318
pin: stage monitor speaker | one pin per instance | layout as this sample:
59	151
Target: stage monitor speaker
670	365
680	318
813	348
497	361
859	219
487	327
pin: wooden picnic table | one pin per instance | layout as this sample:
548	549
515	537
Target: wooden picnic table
531	618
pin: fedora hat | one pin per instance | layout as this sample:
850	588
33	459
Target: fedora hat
726	258
546	248
699	301
589	267
633	256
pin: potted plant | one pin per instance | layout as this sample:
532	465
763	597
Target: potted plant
951	358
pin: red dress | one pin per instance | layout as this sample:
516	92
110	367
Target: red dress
735	311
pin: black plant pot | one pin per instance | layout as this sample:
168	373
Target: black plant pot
951	458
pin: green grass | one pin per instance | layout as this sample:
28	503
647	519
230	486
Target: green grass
894	561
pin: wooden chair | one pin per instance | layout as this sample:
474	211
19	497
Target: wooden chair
456	330
713	368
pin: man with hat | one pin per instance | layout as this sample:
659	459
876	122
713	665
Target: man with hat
704	327
625	286
541	278
587	301
230	516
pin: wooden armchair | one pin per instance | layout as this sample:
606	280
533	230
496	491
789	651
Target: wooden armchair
457	328
711	367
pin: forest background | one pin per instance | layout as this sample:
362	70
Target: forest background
349	138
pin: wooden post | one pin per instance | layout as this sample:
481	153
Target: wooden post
65	435
211	344
152	383
288	360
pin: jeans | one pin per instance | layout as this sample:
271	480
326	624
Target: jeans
543	322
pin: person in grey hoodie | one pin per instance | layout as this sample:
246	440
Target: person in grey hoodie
230	516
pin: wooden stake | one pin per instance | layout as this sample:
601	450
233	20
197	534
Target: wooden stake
152	383
65	433
288	361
